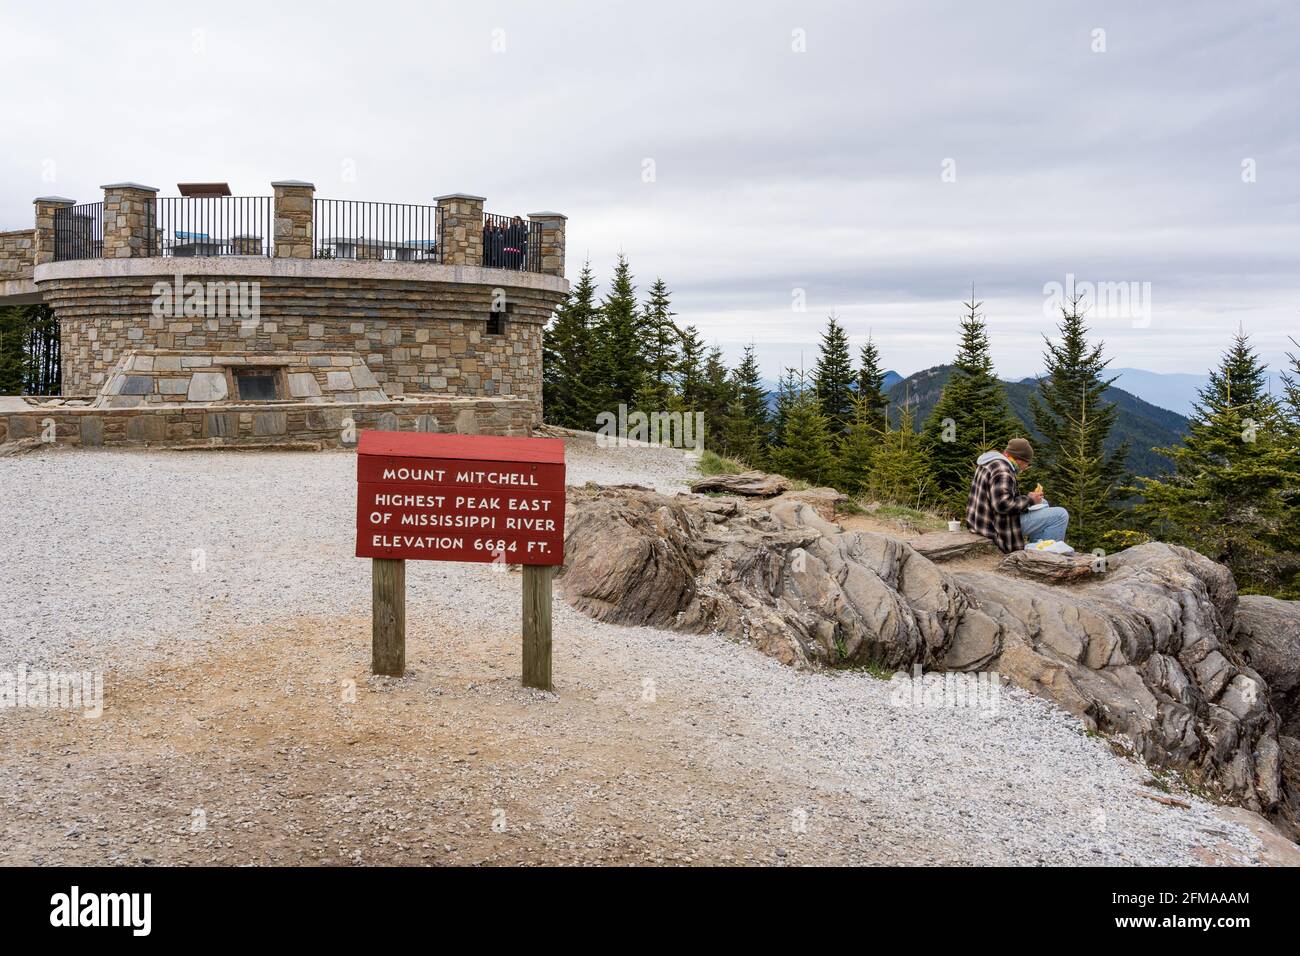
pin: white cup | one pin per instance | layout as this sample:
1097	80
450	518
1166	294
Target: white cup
954	525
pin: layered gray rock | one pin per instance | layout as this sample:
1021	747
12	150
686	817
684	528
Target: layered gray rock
1141	650
751	484
1267	635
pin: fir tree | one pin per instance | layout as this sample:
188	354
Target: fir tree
661	344
13	355
617	369
747	424
871	384
1074	422
1289	586
807	450
691	386
900	470
972	415
787	390
566	355
717	396
1226	494
853	462
833	377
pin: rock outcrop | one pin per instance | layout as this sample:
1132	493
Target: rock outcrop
1268	637
750	484
1141	650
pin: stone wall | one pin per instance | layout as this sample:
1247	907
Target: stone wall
416	337
171	378
325	426
17	253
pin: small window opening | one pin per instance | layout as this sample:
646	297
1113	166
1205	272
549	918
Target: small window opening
258	386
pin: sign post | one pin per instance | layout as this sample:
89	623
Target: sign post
388	616
431	497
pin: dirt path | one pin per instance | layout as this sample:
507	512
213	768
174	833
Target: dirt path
282	749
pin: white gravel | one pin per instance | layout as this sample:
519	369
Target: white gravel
113	558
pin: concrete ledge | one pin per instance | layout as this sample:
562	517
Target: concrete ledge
19	292
253	266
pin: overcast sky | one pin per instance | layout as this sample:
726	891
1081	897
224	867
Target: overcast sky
868	159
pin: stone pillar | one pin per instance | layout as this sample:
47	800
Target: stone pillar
43	239
130	221
293	219
460	224
552	231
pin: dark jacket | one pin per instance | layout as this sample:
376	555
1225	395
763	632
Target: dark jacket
996	504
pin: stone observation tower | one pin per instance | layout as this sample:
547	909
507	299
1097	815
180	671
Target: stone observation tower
207	318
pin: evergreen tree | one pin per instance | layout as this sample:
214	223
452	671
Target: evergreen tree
661	350
747	424
13	356
1074	421
833	377
787	390
853	463
807	451
1290	582
1226	495
717	395
972	415
566	355
617	369
900	470
871	384
691	385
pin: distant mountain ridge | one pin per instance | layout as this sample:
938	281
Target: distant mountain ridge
1144	425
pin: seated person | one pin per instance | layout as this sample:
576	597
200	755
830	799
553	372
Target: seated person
996	508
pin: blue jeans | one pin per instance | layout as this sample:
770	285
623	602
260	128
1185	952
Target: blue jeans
1045	524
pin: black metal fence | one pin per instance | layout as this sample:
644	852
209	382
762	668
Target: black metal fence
511	242
190	226
79	232
382	231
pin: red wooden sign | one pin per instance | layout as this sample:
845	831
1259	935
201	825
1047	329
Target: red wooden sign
430	497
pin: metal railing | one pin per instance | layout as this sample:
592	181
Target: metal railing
79	232
380	231
511	242
192	226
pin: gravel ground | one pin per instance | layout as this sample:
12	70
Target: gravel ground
223	701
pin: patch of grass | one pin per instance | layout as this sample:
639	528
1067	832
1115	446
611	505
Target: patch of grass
878	671
711	463
911	518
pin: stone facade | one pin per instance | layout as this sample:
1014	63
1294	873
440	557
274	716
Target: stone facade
415	336
293	219
17	254
374	329
158	377
130	220
318	426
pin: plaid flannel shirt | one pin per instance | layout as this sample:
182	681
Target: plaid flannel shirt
996	504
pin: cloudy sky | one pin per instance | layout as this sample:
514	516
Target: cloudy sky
867	159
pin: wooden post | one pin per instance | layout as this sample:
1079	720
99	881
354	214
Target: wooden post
537	625
388	617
